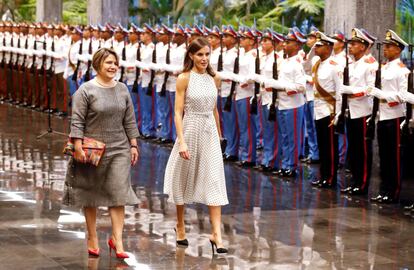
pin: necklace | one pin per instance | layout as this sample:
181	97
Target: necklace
104	85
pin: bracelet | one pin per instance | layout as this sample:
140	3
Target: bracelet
134	146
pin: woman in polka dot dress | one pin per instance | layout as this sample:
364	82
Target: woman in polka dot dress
195	171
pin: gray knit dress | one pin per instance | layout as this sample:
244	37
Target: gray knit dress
107	115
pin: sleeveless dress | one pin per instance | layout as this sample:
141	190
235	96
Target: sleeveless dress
200	179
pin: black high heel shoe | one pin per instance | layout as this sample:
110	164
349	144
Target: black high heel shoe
218	250
183	242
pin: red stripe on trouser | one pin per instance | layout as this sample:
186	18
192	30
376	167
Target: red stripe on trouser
29	87
295	136
397	190
54	90
364	179
249	131
139	109
65	93
21	76
331	143
3	80
170	134
45	95
276	144
37	87
153	111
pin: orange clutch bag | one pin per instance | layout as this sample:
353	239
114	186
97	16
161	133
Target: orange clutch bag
93	150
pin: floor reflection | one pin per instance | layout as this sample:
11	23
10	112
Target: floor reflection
270	223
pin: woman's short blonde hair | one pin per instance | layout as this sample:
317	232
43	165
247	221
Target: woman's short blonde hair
99	57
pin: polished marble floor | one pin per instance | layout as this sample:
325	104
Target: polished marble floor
270	223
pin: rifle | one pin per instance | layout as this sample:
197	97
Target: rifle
123	58
154	60
253	106
50	71
16	64
34	56
11	55
220	59
370	135
227	105
75	74
87	73
26	45
405	130
167	74
137	70
43	69
272	110
3	59
340	125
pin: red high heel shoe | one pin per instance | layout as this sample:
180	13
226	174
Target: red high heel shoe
119	255
93	252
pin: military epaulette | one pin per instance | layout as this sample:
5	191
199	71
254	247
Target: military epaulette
332	62
299	59
370	60
401	64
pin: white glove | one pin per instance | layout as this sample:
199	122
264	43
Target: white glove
406	97
347	89
380	94
402	124
272	83
336	118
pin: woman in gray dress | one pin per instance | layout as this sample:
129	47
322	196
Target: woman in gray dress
103	110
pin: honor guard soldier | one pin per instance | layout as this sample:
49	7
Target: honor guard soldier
269	62
339	57
118	45
310	60
21	69
177	54
369	58
147	94
31	83
164	37
7	44
394	78
72	63
15	46
327	82
3	82
39	66
105	36
244	93
129	73
215	40
362	77
60	57
338	53
291	86
230	129
83	56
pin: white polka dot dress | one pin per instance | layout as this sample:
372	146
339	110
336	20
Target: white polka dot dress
200	179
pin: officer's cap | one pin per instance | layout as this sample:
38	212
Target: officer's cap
296	35
313	31
229	30
322	39
358	35
392	38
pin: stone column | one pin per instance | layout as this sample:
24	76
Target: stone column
376	16
49	11
108	11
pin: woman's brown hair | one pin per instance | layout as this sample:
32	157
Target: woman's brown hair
193	48
99	57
